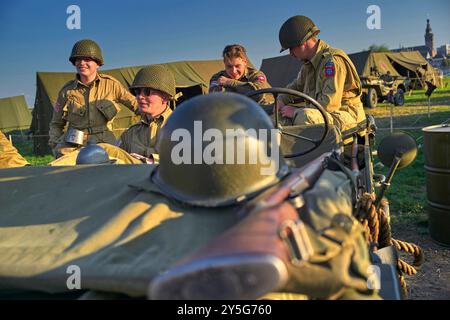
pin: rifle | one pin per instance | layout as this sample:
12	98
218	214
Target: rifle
251	258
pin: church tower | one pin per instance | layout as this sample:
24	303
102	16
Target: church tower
429	39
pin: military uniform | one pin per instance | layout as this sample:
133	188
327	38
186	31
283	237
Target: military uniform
141	138
9	156
252	80
89	108
330	78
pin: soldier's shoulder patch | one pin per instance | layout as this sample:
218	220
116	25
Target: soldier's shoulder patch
57	107
329	69
261	77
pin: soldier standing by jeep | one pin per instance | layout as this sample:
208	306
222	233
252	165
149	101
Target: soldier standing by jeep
88	103
328	75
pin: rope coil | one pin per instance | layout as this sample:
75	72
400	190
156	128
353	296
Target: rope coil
378	231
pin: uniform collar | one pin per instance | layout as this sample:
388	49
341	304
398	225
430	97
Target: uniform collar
318	56
79	83
161	118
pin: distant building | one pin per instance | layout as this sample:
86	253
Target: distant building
444	50
427	51
429	39
422	49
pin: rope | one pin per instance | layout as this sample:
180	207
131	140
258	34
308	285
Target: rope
402	280
415	250
378	230
385	235
406	267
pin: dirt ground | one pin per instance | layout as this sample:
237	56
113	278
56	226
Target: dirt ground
432	281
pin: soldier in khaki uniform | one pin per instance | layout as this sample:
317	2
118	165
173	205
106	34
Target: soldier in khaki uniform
327	75
87	103
238	76
9	156
154	88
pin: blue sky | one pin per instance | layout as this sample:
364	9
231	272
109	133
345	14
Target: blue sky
34	36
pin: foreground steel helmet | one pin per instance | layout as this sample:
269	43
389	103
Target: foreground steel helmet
93	154
295	31
157	77
201	159
86	48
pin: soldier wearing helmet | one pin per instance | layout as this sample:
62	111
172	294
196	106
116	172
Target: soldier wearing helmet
154	88
328	75
88	103
238	76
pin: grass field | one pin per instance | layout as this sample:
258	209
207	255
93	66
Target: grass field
407	193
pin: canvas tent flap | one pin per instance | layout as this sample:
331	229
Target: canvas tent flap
379	61
410	60
14	114
120	237
414	63
280	71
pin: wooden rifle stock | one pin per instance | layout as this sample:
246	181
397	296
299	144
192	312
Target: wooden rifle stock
251	258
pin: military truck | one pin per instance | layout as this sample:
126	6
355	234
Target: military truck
379	89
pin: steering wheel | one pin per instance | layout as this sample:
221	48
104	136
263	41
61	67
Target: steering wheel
275	92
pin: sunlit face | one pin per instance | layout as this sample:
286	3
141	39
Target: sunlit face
235	68
86	66
151	102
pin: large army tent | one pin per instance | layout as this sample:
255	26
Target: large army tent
280	70
408	64
372	64
14	114
192	78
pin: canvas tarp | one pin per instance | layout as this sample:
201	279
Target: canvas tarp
413	65
192	78
372	64
14	114
107	220
281	71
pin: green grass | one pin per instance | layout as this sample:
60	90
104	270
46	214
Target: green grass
39	161
25	148
407	193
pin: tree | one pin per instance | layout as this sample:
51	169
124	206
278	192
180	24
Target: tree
378	48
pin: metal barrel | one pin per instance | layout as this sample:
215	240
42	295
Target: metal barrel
437	166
